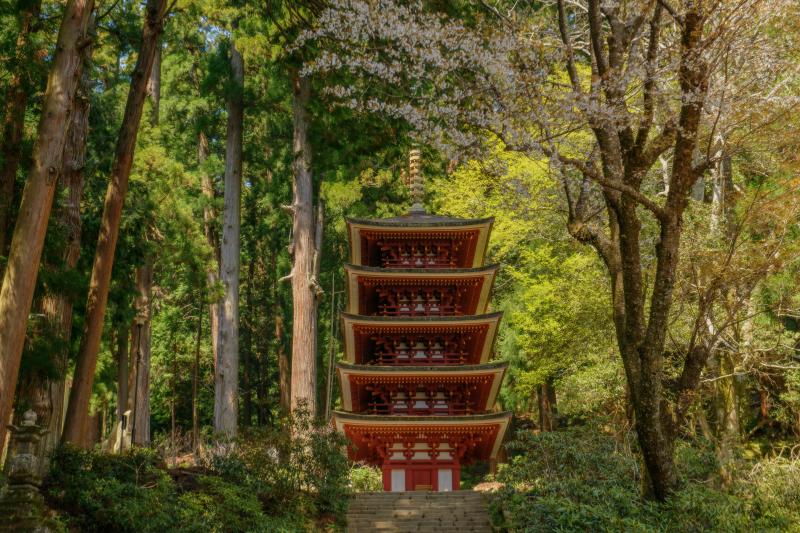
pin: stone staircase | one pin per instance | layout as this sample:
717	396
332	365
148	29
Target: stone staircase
460	511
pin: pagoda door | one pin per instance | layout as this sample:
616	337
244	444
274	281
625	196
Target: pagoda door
422	479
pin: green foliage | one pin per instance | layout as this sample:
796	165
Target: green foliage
365	478
101	492
219	505
553	292
267	481
296	467
580	479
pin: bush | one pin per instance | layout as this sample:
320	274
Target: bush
218	505
365	478
580	479
297	467
103	492
292	479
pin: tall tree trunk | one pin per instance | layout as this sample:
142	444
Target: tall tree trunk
122	370
57	307
264	343
249	322
14	117
141	333
154	86
226	382
19	280
722	222
304	302
726	411
261	371
78	408
546	399
284	377
247	344
209	228
141	336
196	382
723	363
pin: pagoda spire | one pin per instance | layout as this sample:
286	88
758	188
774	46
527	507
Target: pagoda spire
416	182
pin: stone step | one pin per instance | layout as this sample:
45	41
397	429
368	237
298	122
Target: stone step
433	520
391	521
450	501
377	524
419	512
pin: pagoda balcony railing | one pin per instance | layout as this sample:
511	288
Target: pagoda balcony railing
411	302
421	400
405	358
395	350
420	408
422	254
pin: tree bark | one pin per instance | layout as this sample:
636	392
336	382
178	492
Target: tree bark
304	302
210	231
726	412
78	408
57	307
282	358
154	86
723	363
14	118
141	355
19	280
247	331
226	382
546	396
196	383
122	370
626	155
284	376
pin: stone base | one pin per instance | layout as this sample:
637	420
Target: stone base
22	509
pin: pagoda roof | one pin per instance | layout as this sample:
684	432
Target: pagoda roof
481	278
417	272
488	376
401	426
363	234
418	220
358	328
422	369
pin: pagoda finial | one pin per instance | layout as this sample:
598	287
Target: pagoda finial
416	182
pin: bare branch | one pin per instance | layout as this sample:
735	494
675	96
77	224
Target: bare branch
565	38
625	189
660	144
671	10
596	36
648	97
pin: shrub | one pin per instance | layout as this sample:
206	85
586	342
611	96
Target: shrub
580	479
365	478
291	479
103	492
218	505
297	467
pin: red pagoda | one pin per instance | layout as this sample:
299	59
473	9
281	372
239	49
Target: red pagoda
418	389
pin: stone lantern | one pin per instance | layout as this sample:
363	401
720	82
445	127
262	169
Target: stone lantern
21	503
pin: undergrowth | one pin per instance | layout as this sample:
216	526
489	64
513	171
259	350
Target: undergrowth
580	479
290	479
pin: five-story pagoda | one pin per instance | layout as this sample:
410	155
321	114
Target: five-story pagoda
418	390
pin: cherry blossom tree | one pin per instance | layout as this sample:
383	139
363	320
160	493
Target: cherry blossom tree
634	102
